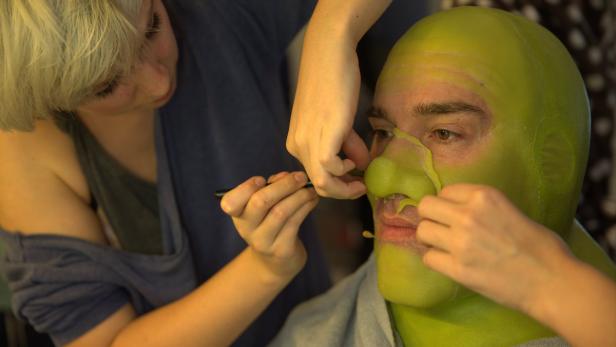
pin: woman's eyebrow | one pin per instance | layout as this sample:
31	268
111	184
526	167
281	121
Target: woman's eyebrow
150	13
143	40
148	22
438	108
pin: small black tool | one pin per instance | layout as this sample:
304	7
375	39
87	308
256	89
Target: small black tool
219	193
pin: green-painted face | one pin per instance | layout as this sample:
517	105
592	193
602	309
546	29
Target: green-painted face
471	95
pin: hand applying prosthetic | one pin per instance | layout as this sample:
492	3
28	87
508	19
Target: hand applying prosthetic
327	94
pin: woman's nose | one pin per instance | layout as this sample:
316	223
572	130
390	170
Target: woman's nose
154	77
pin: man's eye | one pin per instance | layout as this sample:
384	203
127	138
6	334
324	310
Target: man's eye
380	139
381	134
443	134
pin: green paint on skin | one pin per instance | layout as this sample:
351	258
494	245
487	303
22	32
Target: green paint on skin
536	154
406	167
434	289
427	165
400	169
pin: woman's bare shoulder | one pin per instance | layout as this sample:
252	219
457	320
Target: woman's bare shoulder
42	188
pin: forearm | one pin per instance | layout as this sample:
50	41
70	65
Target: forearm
332	35
348	18
580	305
215	314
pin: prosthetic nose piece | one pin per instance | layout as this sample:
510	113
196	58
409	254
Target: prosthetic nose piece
405	167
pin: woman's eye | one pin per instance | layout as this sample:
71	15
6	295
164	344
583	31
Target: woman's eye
109	89
153	27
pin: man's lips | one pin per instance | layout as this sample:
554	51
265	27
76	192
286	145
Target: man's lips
399	228
395	231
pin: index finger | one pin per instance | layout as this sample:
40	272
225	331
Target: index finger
440	210
459	192
235	200
328	185
328	147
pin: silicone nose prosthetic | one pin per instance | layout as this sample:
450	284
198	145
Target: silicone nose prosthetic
405	167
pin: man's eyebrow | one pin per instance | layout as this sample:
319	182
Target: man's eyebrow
436	108
377	112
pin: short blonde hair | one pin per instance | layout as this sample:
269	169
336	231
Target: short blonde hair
55	53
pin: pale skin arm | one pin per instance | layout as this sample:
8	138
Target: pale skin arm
327	94
216	313
35	199
482	241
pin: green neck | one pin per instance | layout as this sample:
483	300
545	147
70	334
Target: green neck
470	321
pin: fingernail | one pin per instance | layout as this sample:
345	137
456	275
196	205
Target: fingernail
300	177
259	181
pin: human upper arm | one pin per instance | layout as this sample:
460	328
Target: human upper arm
42	189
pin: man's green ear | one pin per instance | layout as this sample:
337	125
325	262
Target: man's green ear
558	176
554	152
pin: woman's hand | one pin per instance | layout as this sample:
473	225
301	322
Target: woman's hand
268	216
321	124
481	240
327	93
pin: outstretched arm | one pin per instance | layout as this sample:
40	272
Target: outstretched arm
481	240
327	94
216	313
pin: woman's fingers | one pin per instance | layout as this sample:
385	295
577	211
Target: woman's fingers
234	201
355	149
434	235
336	187
260	203
279	217
440	210
287	239
442	262
268	217
275	177
459	192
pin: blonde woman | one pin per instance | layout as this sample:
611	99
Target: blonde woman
119	119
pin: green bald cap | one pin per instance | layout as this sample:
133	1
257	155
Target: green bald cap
536	96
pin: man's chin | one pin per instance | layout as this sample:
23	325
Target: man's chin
403	279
